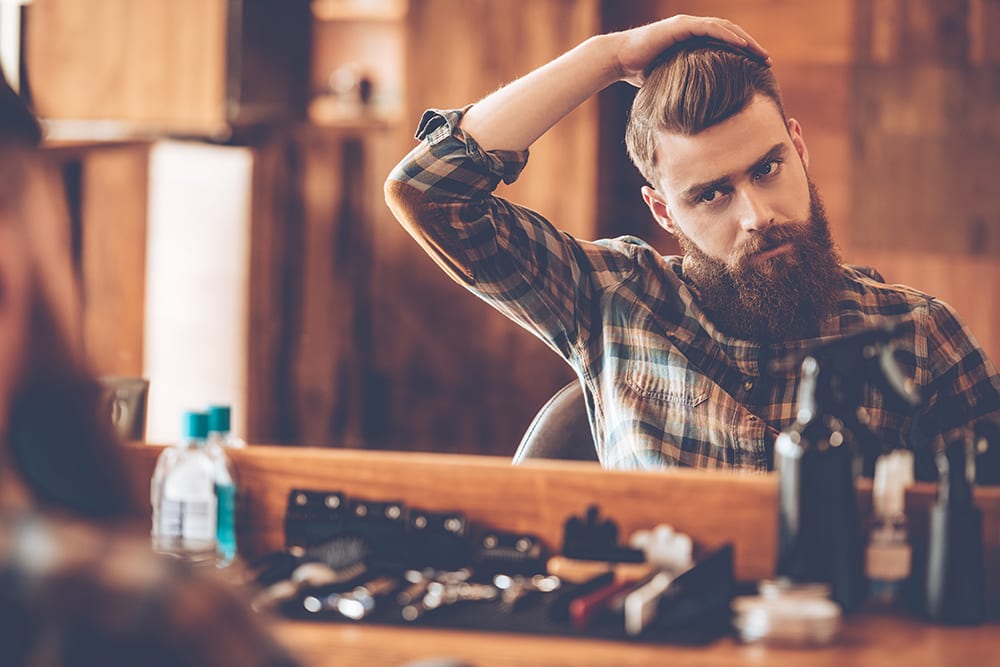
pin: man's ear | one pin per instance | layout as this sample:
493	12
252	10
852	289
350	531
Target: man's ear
795	132
658	207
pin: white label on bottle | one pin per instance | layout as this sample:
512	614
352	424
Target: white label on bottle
171	522
199	520
188	520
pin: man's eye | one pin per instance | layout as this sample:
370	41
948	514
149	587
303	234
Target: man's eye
709	196
769	168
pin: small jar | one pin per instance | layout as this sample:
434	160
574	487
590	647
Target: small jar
789	614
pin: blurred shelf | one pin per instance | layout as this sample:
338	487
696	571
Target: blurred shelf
359	10
325	111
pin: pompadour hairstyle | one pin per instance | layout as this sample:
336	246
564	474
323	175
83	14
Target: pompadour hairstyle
689	88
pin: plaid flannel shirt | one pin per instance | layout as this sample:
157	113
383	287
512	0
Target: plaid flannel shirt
71	594
663	386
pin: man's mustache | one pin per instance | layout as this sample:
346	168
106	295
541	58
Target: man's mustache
771	237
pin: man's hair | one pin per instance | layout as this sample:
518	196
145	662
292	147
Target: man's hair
20	134
689	88
58	434
18	125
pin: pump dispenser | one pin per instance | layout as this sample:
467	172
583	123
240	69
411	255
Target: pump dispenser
819	458
955	570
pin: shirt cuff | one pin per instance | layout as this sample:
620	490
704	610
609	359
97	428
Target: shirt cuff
438	126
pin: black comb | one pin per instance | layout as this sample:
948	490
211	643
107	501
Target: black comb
498	552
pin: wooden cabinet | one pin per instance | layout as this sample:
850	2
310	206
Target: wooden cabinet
193	67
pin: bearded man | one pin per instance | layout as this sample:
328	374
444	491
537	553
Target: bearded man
674	353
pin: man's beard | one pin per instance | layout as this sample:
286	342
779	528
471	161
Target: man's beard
785	297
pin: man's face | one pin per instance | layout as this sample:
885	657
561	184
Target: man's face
721	187
752	228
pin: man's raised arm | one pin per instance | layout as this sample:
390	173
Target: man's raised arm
443	191
513	117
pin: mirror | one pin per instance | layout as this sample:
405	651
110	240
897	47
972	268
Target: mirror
352	336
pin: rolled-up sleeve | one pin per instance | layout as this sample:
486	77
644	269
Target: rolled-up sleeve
509	255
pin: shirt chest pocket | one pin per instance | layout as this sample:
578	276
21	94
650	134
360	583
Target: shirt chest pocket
679	388
680	412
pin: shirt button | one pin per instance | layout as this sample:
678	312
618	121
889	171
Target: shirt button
748	385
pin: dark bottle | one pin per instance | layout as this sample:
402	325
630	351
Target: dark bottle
819	527
955	569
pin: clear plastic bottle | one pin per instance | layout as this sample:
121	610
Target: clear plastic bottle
183	495
221	439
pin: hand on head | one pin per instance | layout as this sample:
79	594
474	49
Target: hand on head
640	47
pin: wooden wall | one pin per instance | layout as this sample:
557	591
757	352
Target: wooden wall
925	136
106	189
450	371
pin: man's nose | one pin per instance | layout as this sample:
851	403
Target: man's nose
755	211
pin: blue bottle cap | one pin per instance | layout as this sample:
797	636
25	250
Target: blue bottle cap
195	425
219	418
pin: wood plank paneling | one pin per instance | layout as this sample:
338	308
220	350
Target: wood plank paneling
106	186
333	350
927	149
984	47
276	237
310	363
925	137
115	196
791	30
451	373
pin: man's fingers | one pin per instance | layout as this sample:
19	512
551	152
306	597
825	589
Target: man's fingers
751	43
729	32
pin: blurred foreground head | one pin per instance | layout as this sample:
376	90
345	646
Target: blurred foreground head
52	438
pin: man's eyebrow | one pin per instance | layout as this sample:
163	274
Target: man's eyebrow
693	193
776	151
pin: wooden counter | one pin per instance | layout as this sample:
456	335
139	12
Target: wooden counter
874	641
713	508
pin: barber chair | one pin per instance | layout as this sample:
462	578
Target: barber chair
560	430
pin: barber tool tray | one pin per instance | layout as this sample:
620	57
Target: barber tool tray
373	561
